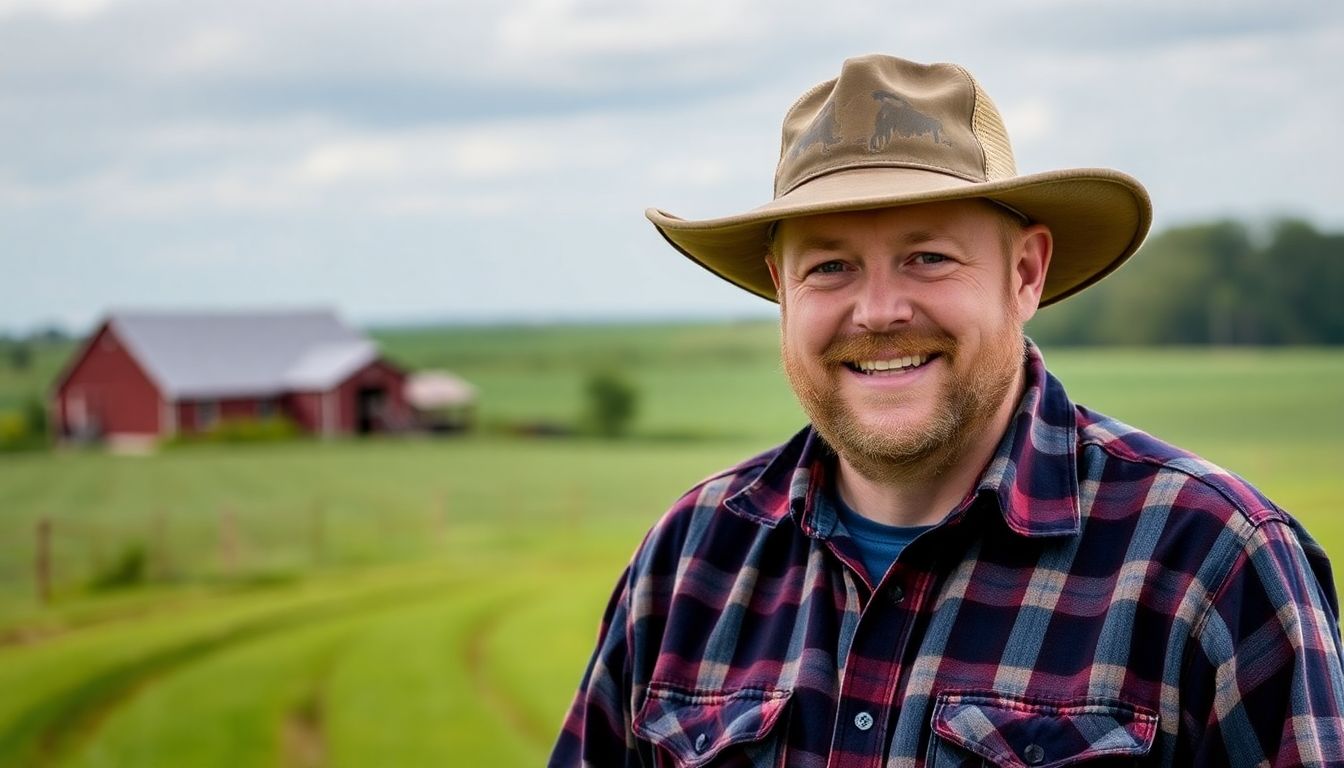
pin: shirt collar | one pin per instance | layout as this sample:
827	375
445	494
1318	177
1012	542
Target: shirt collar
1032	478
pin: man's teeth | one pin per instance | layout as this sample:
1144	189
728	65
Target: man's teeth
895	364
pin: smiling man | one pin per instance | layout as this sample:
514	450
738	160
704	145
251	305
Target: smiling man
953	565
902	337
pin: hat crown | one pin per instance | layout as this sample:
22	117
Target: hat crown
884	111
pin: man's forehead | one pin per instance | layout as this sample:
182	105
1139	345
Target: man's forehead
909	223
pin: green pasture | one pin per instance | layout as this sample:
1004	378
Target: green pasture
46	362
432	602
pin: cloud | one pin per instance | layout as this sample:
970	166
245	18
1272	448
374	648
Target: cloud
539	31
1032	119
205	50
697	173
529	135
479	154
60	10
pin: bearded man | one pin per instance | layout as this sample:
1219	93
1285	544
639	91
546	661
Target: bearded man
953	565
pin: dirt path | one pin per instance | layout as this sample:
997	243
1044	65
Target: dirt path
303	741
475	658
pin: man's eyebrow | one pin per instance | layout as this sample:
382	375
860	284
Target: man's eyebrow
820	243
831	244
919	236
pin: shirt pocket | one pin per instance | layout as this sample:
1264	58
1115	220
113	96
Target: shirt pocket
985	728
696	727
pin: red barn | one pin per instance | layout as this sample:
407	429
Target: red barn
145	376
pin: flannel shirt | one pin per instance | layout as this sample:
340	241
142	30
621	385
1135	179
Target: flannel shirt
1097	595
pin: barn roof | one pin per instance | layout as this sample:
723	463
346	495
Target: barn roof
239	354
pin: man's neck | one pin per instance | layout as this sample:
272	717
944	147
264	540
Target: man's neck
925	494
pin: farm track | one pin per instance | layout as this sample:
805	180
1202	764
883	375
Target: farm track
58	725
303	736
475	661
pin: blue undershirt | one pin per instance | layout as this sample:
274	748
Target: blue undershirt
879	544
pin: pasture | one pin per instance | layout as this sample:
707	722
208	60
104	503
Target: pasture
432	602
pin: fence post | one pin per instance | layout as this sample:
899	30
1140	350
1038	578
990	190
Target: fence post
228	540
317	531
578	501
441	519
42	562
163	566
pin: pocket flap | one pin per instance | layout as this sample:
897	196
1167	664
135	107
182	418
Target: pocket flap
1029	732
695	725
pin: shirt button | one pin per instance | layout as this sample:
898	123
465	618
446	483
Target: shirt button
701	742
863	721
1034	754
896	594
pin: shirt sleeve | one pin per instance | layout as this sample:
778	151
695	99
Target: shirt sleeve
597	730
1264	685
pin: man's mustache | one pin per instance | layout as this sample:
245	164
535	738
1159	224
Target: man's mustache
886	346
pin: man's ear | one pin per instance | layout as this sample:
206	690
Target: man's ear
774	273
1030	263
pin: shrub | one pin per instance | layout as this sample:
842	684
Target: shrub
13	428
24	429
254	430
21	356
129	569
35	413
612	399
270	430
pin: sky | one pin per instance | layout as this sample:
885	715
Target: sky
414	161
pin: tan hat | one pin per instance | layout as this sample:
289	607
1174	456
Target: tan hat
892	132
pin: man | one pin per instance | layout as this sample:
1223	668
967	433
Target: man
953	565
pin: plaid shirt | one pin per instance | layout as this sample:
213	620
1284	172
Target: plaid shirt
1098	594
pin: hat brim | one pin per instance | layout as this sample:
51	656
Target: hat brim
1098	218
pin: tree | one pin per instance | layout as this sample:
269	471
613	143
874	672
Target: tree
1300	282
611	403
35	414
20	355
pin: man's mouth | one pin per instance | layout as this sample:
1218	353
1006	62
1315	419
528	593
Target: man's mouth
889	366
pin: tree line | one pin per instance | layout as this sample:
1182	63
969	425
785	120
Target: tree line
1222	283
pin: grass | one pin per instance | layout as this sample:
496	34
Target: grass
433	602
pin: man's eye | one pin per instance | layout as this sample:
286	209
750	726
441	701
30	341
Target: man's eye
829	266
929	258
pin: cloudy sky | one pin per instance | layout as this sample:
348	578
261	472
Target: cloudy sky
414	161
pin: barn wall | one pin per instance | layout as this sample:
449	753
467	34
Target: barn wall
186	416
228	409
118	397
305	408
396	414
239	409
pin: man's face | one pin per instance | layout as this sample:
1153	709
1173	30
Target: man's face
901	328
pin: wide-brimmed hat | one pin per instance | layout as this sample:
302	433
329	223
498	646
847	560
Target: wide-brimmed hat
891	132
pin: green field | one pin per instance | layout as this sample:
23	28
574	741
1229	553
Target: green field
432	602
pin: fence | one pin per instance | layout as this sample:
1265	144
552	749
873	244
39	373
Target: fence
232	542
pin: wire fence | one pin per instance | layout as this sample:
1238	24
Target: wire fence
62	555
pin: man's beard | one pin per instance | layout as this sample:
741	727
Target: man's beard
966	403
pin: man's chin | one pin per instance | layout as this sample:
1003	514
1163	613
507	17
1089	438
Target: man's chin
889	443
896	425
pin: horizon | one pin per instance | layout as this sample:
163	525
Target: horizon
754	310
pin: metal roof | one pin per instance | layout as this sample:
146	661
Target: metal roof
428	390
242	354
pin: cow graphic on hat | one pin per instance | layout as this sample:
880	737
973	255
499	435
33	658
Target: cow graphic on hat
822	130
895	117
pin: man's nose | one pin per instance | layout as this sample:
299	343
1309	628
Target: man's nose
882	304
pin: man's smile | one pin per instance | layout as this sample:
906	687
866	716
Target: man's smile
891	366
